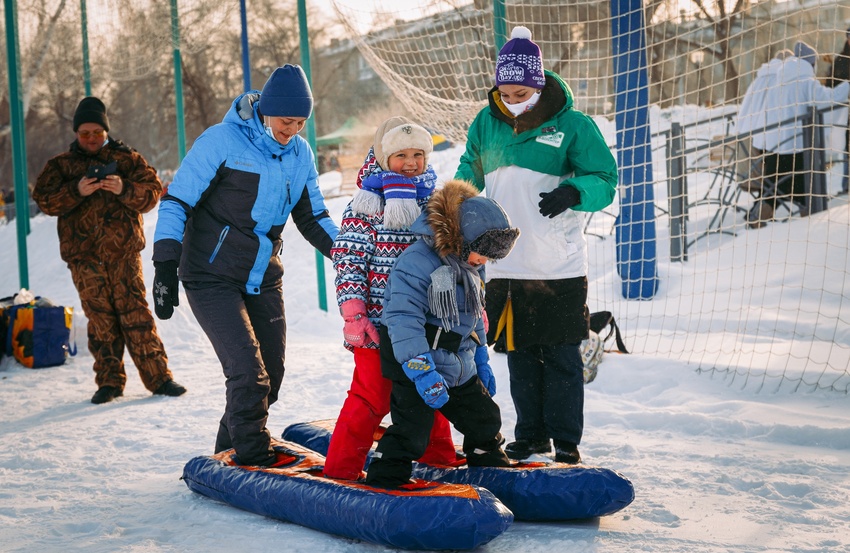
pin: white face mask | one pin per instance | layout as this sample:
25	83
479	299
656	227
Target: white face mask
522	107
267	128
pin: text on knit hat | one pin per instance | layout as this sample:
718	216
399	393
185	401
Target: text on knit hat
519	61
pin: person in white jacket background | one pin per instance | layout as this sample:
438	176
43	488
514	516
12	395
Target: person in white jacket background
783	92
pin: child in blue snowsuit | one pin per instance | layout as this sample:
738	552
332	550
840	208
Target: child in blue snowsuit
433	343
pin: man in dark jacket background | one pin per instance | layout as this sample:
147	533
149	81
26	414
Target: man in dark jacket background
100	238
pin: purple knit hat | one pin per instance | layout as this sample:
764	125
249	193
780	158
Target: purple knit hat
520	62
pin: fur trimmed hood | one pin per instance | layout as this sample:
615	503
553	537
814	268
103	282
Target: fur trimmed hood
462	221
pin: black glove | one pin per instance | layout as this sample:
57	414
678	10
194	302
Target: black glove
165	293
559	200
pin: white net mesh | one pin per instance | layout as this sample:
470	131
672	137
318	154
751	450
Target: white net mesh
439	67
710	258
437	58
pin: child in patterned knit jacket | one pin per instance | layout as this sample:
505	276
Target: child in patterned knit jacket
395	185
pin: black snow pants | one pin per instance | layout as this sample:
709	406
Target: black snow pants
470	409
248	334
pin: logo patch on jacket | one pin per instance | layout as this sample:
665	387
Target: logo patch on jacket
553	139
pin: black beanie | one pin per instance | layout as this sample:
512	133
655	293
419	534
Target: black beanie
91	110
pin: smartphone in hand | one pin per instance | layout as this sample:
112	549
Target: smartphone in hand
100	171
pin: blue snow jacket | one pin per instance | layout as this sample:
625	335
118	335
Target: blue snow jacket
406	311
225	210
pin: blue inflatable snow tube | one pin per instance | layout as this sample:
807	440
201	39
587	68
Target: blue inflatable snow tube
532	491
542	492
432	516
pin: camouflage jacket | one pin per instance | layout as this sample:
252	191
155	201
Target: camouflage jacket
102	226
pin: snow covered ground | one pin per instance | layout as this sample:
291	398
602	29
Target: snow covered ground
715	467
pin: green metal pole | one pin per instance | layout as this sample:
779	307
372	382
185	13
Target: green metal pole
499	27
19	144
86	67
178	82
311	137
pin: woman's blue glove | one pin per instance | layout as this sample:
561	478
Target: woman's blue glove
485	373
429	383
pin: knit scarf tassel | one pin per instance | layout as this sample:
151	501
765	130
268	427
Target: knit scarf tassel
442	293
400	213
442	298
367	202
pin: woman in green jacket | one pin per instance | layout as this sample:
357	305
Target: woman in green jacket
547	164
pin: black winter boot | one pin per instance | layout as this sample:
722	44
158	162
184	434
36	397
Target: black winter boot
388	473
495	458
268	460
522	449
105	394
170	388
567	452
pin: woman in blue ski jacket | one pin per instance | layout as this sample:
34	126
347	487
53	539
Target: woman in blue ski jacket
221	223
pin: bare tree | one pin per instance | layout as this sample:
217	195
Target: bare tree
37	51
723	22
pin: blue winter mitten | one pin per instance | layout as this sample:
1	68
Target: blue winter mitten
429	383
485	373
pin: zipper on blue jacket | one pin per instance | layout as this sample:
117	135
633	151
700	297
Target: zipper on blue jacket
221	238
288	198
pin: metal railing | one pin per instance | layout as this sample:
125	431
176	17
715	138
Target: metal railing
814	168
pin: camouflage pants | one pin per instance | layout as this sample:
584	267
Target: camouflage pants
113	299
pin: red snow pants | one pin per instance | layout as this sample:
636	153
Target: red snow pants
367	404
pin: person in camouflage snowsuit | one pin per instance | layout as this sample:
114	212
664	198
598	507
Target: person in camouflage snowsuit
100	238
